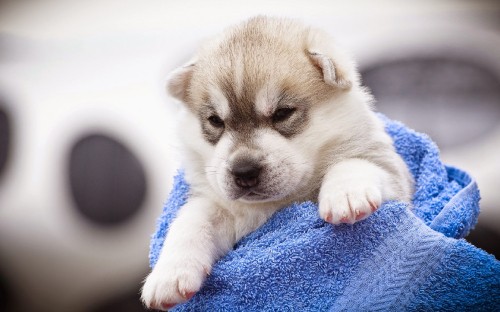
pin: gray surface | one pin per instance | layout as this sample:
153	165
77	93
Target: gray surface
453	101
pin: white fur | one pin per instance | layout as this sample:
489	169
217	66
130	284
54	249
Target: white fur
220	102
239	72
267	99
351	191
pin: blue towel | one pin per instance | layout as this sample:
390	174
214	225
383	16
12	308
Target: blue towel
398	259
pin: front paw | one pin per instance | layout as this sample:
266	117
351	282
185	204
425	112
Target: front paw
348	202
172	283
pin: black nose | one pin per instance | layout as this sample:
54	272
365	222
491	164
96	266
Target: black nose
246	173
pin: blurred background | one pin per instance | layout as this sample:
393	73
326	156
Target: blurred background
86	149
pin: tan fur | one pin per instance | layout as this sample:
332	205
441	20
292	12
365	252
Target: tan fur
268	48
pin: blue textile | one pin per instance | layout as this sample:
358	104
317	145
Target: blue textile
398	259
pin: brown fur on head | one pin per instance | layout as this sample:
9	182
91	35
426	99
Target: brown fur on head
295	58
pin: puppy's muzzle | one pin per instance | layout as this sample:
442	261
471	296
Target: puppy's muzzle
246	173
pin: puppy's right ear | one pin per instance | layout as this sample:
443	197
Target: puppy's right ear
333	74
337	67
178	81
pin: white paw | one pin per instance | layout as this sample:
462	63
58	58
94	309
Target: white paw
349	204
351	192
171	283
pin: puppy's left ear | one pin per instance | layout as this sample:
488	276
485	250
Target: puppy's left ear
333	74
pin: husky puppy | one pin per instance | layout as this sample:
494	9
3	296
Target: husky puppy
274	114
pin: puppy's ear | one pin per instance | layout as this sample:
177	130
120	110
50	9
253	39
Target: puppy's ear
333	75
337	66
178	81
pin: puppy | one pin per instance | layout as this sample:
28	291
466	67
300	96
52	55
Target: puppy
274	114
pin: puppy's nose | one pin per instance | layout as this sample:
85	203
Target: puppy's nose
246	173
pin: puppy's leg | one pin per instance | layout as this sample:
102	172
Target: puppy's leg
197	237
352	190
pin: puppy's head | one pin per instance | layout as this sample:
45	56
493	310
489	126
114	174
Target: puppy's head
253	97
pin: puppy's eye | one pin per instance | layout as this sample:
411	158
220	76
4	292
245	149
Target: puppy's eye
216	122
283	114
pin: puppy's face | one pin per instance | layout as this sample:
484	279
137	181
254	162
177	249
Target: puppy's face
253	93
255	154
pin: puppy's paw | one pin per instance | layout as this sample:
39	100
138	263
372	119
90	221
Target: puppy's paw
348	200
171	283
349	205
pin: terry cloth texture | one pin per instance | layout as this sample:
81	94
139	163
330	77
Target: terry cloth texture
396	260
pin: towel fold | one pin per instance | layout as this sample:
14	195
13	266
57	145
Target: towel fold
397	259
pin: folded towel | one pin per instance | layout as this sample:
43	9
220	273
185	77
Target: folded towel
397	259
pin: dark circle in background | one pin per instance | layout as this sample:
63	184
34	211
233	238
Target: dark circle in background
454	101
107	181
5	134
